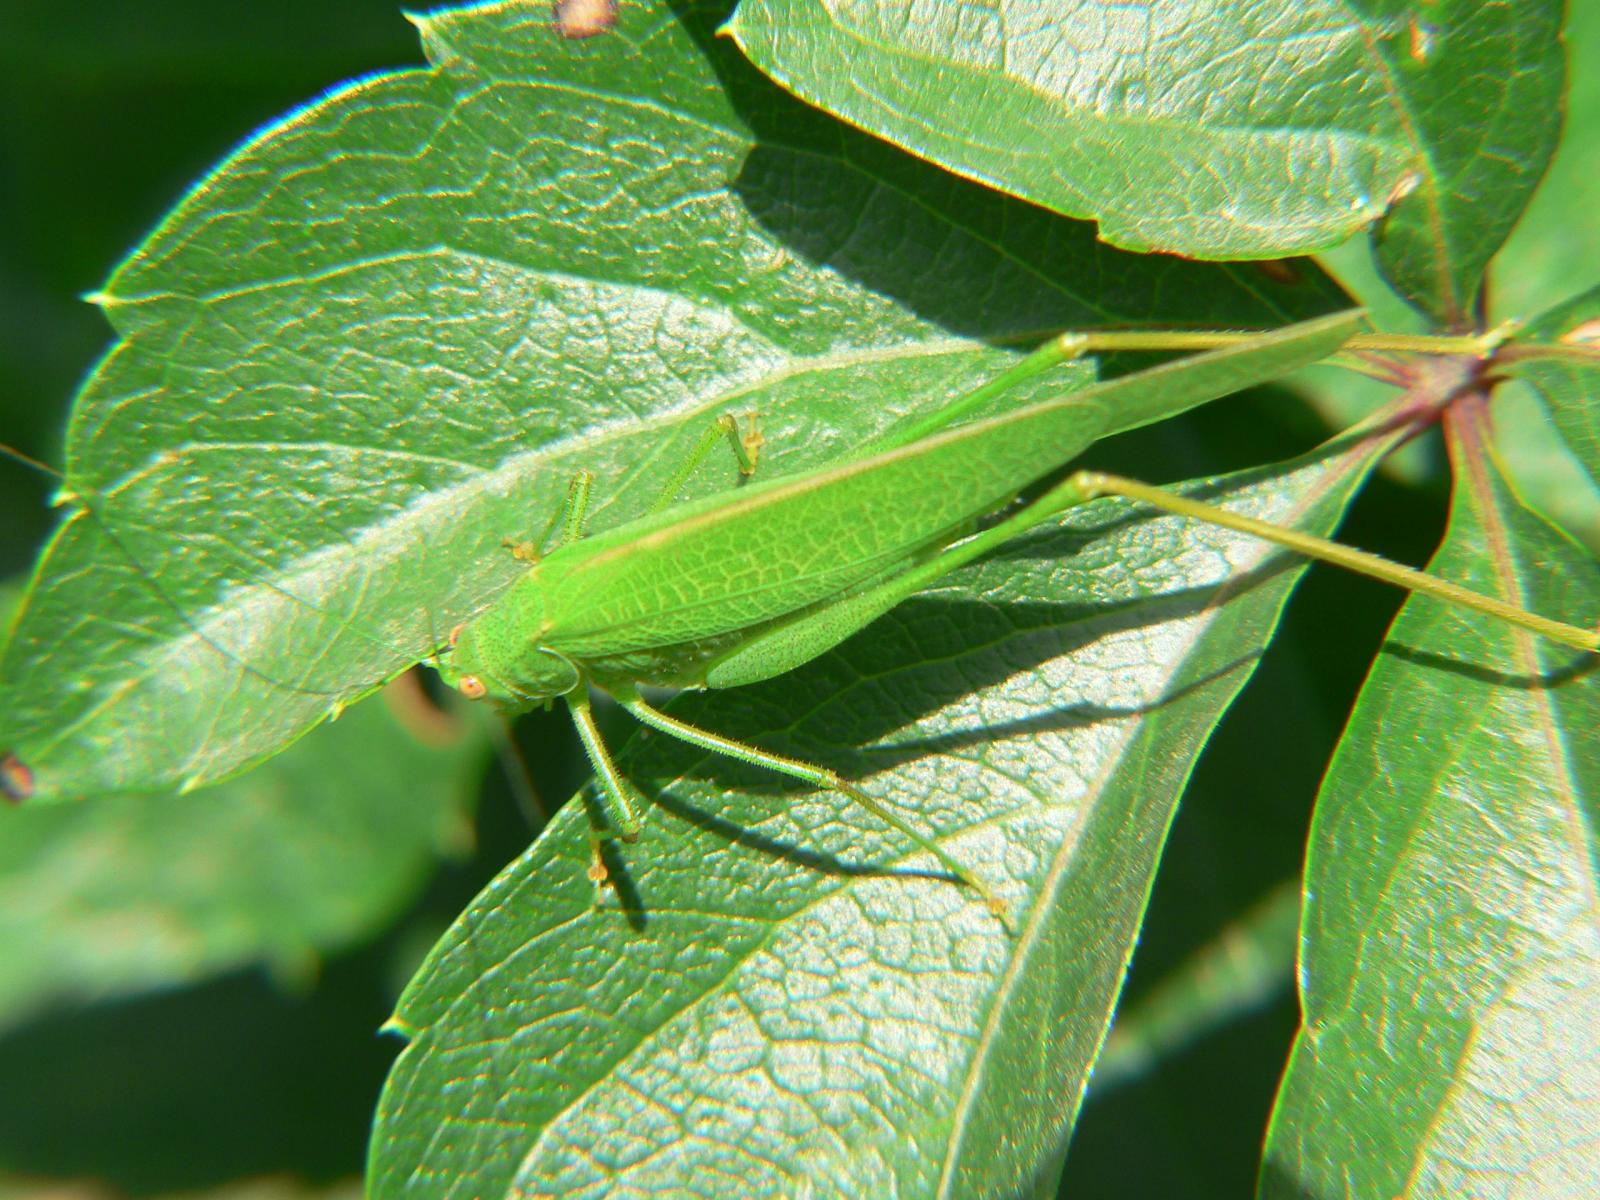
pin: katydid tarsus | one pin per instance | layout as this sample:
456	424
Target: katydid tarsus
747	585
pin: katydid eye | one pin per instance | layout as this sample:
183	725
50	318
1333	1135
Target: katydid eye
472	687
455	635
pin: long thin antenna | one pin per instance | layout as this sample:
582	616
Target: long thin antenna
28	460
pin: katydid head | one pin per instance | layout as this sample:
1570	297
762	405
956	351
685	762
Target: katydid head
463	667
483	663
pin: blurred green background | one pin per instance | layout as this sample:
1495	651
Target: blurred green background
108	112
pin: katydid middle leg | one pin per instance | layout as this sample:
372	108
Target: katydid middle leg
575	510
620	810
629	698
620	807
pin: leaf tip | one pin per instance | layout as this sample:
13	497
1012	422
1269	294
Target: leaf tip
400	1028
434	46
100	299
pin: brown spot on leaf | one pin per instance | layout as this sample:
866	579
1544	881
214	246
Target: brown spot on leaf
1280	270
584	18
16	778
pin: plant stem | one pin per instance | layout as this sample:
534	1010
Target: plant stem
1100	341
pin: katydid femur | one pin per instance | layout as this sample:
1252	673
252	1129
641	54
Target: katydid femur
746	585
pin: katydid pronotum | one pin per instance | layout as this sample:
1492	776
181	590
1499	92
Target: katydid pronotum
747	585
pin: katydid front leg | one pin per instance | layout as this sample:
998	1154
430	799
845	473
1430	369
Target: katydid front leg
746	449
619	812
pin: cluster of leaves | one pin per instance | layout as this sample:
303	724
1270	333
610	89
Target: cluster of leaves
377	341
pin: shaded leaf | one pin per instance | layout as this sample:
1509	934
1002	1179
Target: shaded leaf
777	992
318	848
1243	130
1551	252
1451	945
22	1188
107	111
1477	89
377	343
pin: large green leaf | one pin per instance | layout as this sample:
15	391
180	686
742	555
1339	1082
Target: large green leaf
1551	252
1248	129
320	847
1233	130
778	996
378	341
1451	943
1477	90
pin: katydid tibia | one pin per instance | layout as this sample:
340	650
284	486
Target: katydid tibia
746	585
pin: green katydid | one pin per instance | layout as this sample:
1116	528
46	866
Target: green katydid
746	585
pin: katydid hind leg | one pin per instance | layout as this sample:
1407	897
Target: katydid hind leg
1088	485
796	642
810	773
1084	486
790	645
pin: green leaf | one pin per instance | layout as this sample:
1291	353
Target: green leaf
1243	130
1477	89
1450	957
1219	131
381	338
317	849
1551	252
1569	386
783	993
